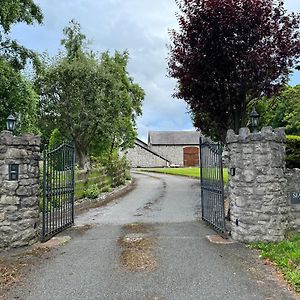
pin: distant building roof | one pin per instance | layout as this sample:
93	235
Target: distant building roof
173	138
141	143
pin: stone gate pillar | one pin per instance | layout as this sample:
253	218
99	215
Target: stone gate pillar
257	186
19	189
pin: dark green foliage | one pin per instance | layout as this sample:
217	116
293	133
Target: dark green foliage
293	151
282	110
16	94
17	98
15	11
117	168
55	140
12	12
92	192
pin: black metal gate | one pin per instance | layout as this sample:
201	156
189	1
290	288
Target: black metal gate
58	190
212	185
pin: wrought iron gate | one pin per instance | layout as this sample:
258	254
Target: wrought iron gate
212	185
58	190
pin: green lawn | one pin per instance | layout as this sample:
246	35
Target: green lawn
286	256
191	172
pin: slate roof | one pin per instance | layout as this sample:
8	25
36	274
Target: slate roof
173	138
140	143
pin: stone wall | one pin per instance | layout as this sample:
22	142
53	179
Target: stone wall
257	191
173	153
19	200
140	157
293	186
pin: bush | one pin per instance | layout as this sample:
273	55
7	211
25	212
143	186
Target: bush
92	192
55	140
117	168
293	151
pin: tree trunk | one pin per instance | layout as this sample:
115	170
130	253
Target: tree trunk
82	157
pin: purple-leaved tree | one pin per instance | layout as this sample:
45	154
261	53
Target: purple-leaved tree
229	52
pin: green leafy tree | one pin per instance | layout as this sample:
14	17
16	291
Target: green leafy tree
12	12
282	110
91	100
16	93
17	97
55	140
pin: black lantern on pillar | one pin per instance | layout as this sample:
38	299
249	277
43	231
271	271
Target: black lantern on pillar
11	123
254	116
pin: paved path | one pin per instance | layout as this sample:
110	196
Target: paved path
188	265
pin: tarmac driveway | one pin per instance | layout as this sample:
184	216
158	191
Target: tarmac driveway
150	244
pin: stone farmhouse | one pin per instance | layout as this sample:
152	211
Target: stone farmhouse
166	148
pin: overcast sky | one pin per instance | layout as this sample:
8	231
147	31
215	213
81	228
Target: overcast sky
141	26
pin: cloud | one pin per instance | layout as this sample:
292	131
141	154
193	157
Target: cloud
141	26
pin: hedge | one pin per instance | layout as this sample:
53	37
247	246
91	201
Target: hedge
293	151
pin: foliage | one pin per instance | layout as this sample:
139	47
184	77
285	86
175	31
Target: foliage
12	12
55	139
17	97
229	52
90	99
117	168
293	151
16	94
282	110
286	256
92	192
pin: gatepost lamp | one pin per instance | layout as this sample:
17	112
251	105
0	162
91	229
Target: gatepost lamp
11	123
254	116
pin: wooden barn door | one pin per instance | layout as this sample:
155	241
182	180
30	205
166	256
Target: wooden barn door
191	156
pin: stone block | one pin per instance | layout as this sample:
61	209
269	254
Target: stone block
244	134
249	175
2	216
24	191
14	216
9	200
231	137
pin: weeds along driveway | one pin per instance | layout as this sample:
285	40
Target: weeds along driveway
150	245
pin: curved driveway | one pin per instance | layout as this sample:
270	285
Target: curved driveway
157	198
188	265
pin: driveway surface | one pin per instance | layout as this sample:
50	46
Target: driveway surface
187	265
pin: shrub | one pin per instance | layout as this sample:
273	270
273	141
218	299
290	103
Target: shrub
92	191
106	189
55	140
293	151
117	168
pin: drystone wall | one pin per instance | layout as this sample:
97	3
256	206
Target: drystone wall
257	190
19	192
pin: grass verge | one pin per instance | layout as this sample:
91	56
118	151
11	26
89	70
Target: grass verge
190	172
285	256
